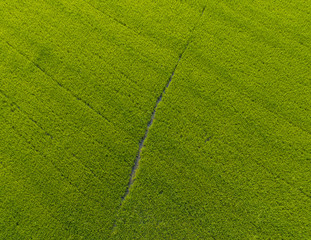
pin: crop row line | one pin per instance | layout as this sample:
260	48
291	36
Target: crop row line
51	110
36	123
34	148
24	114
23	185
59	83
225	75
277	176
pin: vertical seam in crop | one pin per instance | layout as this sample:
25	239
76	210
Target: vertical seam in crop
141	144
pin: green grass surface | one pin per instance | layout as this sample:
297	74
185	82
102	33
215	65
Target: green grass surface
228	155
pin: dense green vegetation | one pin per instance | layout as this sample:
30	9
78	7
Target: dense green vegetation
227	156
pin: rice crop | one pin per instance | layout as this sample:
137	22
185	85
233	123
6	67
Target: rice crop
169	119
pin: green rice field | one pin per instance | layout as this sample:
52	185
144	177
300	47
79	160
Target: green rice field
166	119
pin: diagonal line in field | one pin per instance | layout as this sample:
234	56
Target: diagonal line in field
141	144
278	176
109	16
58	83
42	154
25	114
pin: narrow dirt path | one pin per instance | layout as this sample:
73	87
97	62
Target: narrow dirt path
142	141
141	144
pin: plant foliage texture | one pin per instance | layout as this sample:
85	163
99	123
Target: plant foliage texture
213	98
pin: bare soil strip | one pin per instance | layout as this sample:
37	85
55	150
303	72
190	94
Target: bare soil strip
142	141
